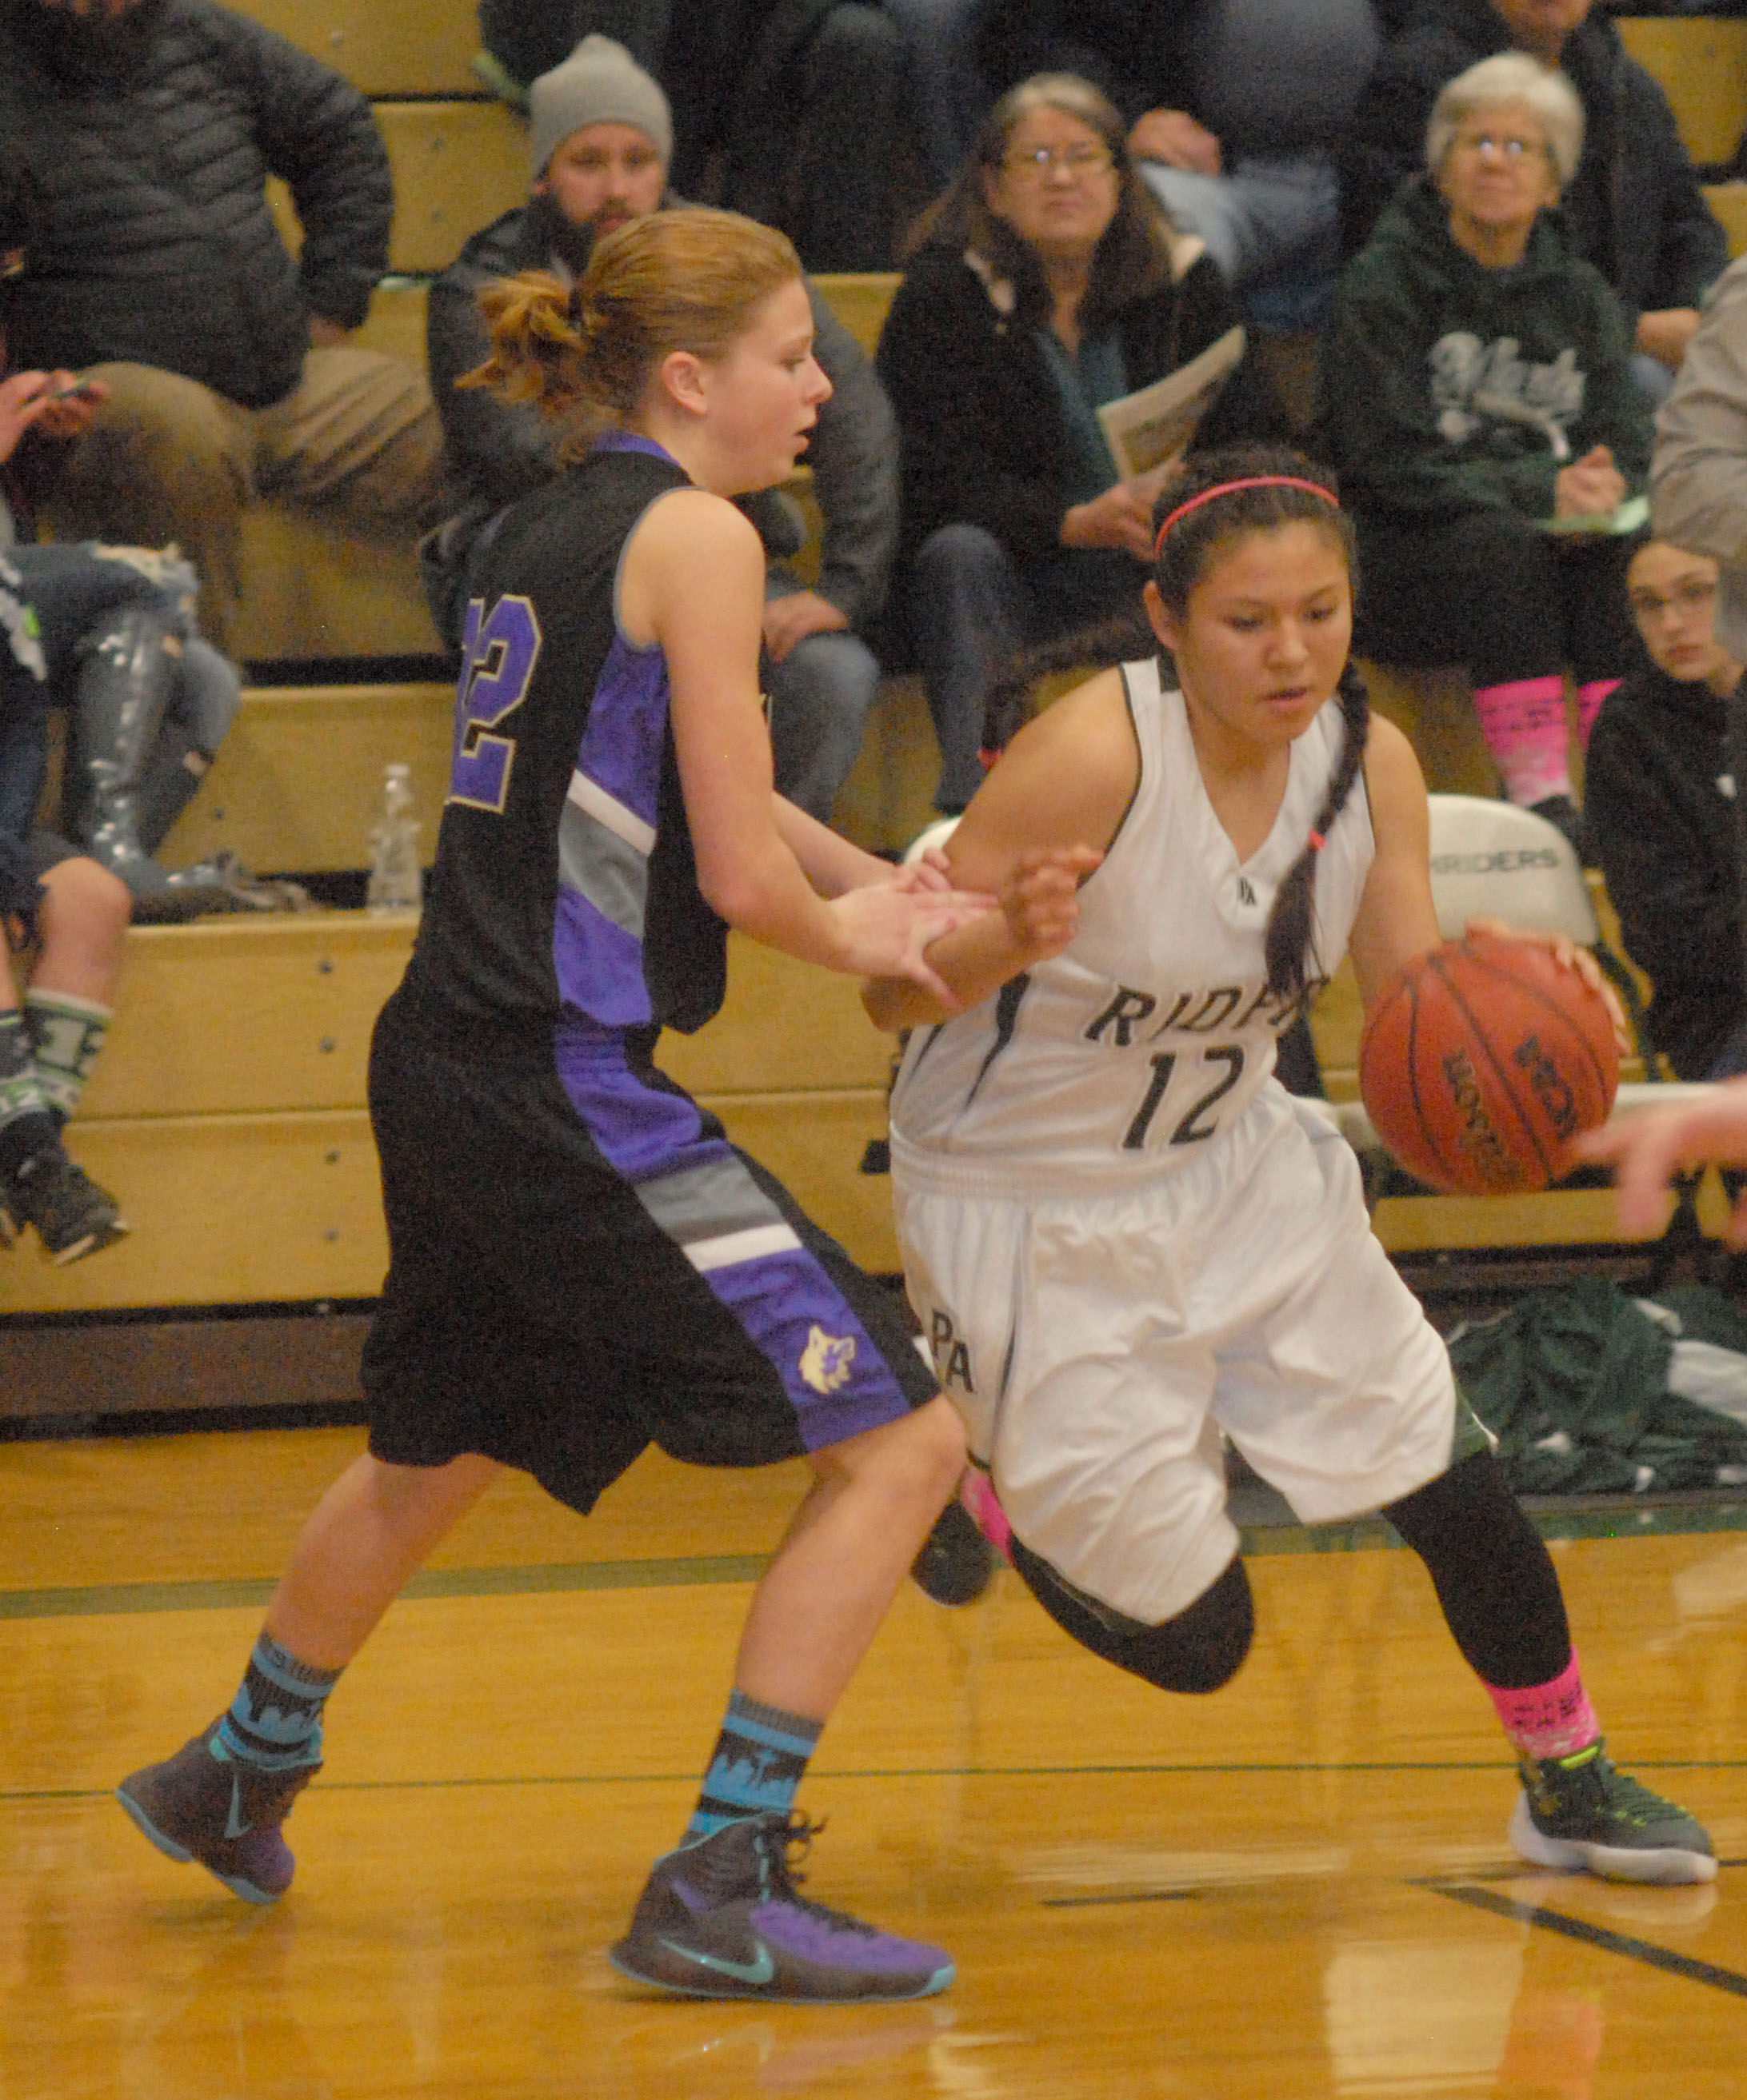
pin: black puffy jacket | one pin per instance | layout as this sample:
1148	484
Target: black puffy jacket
156	244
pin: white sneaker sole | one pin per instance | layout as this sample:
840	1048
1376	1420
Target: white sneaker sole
1667	1868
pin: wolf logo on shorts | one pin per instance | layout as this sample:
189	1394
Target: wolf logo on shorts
826	1359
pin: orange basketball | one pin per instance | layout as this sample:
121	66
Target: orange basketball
1482	1061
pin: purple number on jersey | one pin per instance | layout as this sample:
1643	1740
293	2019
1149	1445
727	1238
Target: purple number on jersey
499	653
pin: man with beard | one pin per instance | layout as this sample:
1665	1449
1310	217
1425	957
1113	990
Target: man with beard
152	126
600	140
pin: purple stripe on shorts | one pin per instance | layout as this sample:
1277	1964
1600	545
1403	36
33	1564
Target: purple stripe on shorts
790	1310
641	1130
836	1380
599	966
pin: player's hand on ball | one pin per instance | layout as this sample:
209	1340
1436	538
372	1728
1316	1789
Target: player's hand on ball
1042	901
1569	953
1484	1060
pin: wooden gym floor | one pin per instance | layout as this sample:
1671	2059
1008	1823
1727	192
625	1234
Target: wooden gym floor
1299	1887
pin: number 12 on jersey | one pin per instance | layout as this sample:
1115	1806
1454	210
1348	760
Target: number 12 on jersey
498	652
1191	1127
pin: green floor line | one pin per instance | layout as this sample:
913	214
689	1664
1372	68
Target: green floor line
1614	1520
99	1599
15	1796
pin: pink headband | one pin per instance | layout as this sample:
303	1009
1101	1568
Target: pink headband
1231	487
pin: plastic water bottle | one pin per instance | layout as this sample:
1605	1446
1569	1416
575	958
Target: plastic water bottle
394	882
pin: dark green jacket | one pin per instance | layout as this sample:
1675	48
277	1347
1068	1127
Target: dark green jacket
1444	387
1586	1389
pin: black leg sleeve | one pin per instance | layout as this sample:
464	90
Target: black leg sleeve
1494	1577
1198	1650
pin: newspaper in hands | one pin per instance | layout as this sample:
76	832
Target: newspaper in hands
1148	432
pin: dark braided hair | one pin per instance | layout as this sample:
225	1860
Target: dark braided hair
1186	550
1119	638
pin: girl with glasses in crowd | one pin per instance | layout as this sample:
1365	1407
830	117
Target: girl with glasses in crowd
1660	786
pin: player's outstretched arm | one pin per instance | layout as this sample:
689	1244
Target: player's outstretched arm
1038	827
1647	1150
747	869
1037	913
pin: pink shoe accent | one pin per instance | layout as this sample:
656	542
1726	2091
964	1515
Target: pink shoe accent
1590	698
1548	1720
1523	723
976	1491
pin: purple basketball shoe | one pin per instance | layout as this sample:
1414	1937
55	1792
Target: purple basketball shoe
722	1918
202	1805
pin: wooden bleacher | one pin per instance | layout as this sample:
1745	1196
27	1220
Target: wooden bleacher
384	47
295	784
298	781
1699	62
229	1112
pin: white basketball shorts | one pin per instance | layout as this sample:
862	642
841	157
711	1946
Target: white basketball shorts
1097	1345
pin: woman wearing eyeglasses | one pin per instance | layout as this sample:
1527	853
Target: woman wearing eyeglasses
1475	389
1046	282
1659	798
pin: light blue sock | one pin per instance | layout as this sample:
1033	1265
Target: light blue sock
760	1758
275	1720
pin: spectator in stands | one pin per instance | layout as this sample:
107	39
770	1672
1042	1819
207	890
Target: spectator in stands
1233	107
76	913
1047	282
148	698
788	110
1660	806
147	701
1699	475
1475	391
1633	201
601	139
152	126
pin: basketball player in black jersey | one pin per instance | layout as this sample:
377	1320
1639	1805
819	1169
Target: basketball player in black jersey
580	1262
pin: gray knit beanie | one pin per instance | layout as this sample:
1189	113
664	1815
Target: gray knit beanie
599	83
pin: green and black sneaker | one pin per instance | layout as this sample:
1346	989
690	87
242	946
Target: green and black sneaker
1578	1812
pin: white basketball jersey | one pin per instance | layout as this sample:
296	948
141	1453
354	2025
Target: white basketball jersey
1155	1029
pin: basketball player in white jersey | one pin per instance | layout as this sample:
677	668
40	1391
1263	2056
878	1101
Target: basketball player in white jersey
1123	1237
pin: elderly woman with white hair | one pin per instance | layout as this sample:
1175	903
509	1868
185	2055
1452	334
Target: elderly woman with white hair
1476	391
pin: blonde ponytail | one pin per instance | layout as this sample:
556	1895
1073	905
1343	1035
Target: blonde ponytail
690	280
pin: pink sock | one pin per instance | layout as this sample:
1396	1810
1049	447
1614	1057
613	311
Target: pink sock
1523	723
1548	1720
1590	698
976	1491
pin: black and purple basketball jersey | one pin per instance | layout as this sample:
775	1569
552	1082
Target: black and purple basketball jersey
564	929
564	883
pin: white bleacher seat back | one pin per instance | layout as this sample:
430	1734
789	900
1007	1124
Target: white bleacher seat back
1491	859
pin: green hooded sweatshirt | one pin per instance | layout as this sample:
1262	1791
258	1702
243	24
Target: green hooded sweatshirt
1444	387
